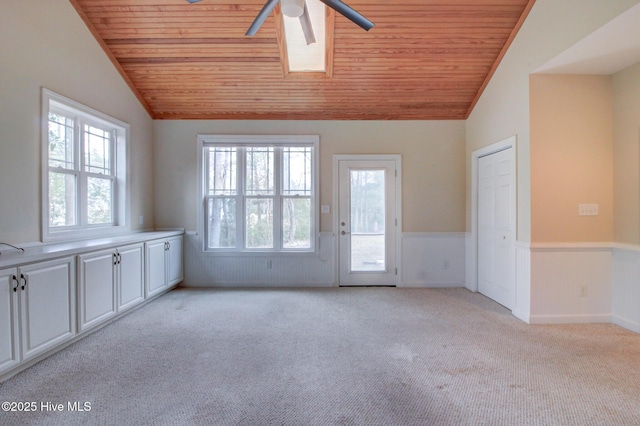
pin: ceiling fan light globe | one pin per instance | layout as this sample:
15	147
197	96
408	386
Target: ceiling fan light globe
292	8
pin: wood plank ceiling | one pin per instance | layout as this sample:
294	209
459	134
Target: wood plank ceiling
423	60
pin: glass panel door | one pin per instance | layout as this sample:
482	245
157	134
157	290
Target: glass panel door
367	220
367	225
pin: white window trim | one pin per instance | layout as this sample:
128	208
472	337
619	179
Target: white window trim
122	190
257	140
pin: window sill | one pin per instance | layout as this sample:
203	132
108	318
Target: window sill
84	234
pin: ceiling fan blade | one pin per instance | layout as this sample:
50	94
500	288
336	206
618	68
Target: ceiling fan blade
307	29
262	16
349	13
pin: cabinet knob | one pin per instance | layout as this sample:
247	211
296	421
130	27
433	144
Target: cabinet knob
15	280
23	278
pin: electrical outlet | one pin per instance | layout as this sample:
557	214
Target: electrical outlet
325	209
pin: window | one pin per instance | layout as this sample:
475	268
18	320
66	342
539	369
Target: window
258	193
84	170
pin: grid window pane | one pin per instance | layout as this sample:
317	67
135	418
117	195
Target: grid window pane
99	201
221	169
85	171
259	223
259	171
296	179
62	199
61	152
221	222
258	196
97	150
296	223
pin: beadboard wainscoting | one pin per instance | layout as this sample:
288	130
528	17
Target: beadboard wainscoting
625	304
433	259
296	270
522	308
428	260
571	283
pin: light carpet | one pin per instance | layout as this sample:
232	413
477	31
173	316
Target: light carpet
347	356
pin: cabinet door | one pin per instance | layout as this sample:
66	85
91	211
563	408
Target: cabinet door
96	285
174	261
130	276
9	349
47	305
155	277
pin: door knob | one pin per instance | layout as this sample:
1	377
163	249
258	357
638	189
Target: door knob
344	233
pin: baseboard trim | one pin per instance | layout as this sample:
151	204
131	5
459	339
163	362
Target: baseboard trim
265	285
522	316
570	319
418	284
628	324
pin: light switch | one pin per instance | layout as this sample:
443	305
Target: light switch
325	209
587	209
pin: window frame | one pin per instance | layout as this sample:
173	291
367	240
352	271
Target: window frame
244	141
82	115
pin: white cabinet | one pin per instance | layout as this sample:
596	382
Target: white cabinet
163	264
109	281
9	330
156	253
130	276
46	294
96	290
174	261
43	303
38	309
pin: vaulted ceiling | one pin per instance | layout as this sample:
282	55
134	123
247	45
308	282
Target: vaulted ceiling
423	59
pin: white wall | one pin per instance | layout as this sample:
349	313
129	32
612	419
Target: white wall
433	259
625	303
571	283
44	43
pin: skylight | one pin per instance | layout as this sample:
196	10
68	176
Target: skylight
303	57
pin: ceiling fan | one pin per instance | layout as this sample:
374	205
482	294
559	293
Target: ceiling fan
298	9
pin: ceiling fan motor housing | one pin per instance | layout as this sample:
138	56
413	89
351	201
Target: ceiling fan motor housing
292	8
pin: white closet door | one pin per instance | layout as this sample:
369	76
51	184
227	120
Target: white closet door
496	227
